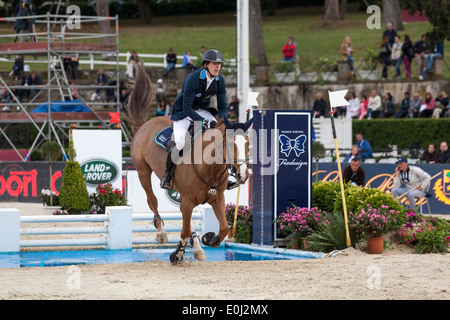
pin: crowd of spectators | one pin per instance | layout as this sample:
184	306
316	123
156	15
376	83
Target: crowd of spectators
388	106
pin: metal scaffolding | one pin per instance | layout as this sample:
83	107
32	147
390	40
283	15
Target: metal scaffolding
51	47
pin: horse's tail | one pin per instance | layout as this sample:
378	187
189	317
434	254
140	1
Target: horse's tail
141	98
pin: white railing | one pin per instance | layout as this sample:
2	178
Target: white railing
158	60
118	228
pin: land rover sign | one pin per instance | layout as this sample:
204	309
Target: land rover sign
99	171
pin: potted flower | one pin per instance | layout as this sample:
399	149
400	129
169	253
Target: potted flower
244	222
372	223
327	69
284	72
297	223
50	201
104	196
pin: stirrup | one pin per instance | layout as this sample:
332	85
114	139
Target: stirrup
166	182
232	185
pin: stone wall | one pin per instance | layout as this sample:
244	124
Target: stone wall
301	96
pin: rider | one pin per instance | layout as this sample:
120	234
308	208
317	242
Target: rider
192	104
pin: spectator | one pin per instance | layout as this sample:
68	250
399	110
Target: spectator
73	90
288	53
187	63
354	153
162	109
347	52
353	107
443	156
362	112
200	56
426	109
385	56
26	81
17	66
416	181
420	49
396	56
233	109
123	96
415	105
374	107
36	80
171	59
160	90
364	146
388	107
102	80
408	55
390	33
405	106
73	64
319	106
440	105
131	64
429	155
354	173
429	57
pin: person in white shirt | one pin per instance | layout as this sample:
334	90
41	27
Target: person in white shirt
353	107
375	106
397	56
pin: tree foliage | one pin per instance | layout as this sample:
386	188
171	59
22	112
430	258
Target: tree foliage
438	13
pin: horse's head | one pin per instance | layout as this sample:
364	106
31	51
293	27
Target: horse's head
237	145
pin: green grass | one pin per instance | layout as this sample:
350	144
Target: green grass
219	31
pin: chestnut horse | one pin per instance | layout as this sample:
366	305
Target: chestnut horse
197	181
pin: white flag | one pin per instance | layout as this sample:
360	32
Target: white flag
251	99
337	98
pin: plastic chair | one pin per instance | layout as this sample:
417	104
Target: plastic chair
426	195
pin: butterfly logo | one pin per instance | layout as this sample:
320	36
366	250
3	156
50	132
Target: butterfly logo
297	144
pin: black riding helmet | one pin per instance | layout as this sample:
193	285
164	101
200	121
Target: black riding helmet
212	55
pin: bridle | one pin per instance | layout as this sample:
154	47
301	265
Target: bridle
219	179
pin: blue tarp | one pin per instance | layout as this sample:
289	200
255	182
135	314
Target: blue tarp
62	106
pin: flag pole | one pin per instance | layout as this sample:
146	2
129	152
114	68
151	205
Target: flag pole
347	232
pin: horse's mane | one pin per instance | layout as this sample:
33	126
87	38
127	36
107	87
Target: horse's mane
141	98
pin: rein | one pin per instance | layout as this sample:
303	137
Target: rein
218	180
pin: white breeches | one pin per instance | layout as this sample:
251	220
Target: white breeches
180	127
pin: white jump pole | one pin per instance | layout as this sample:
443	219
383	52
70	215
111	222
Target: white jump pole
243	62
9	230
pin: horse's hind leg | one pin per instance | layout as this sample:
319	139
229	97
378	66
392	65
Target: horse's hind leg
146	182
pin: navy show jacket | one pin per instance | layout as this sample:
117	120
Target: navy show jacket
194	96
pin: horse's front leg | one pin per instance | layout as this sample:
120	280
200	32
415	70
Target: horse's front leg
219	210
186	210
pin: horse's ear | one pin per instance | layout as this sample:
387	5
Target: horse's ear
228	124
247	124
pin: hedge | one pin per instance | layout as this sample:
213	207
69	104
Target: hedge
402	132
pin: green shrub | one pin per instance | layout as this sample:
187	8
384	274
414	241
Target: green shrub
74	196
324	194
423	131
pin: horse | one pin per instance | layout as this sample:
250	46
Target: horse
198	182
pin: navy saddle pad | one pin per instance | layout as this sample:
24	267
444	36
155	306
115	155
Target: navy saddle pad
163	137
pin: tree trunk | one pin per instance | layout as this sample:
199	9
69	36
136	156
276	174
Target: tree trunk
343	9
104	27
331	10
145	10
393	14
256	32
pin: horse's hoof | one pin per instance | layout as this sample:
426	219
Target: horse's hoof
161	237
199	255
174	260
210	239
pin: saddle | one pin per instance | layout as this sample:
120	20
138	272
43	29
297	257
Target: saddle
165	135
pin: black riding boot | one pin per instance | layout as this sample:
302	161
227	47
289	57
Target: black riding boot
166	180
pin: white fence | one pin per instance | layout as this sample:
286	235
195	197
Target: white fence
118	228
157	60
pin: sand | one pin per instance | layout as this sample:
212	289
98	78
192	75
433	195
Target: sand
353	274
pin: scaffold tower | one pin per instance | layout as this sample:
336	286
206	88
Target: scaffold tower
51	43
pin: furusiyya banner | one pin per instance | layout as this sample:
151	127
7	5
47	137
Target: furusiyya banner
99	153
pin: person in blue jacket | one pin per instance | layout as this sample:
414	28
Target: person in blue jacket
193	104
364	146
